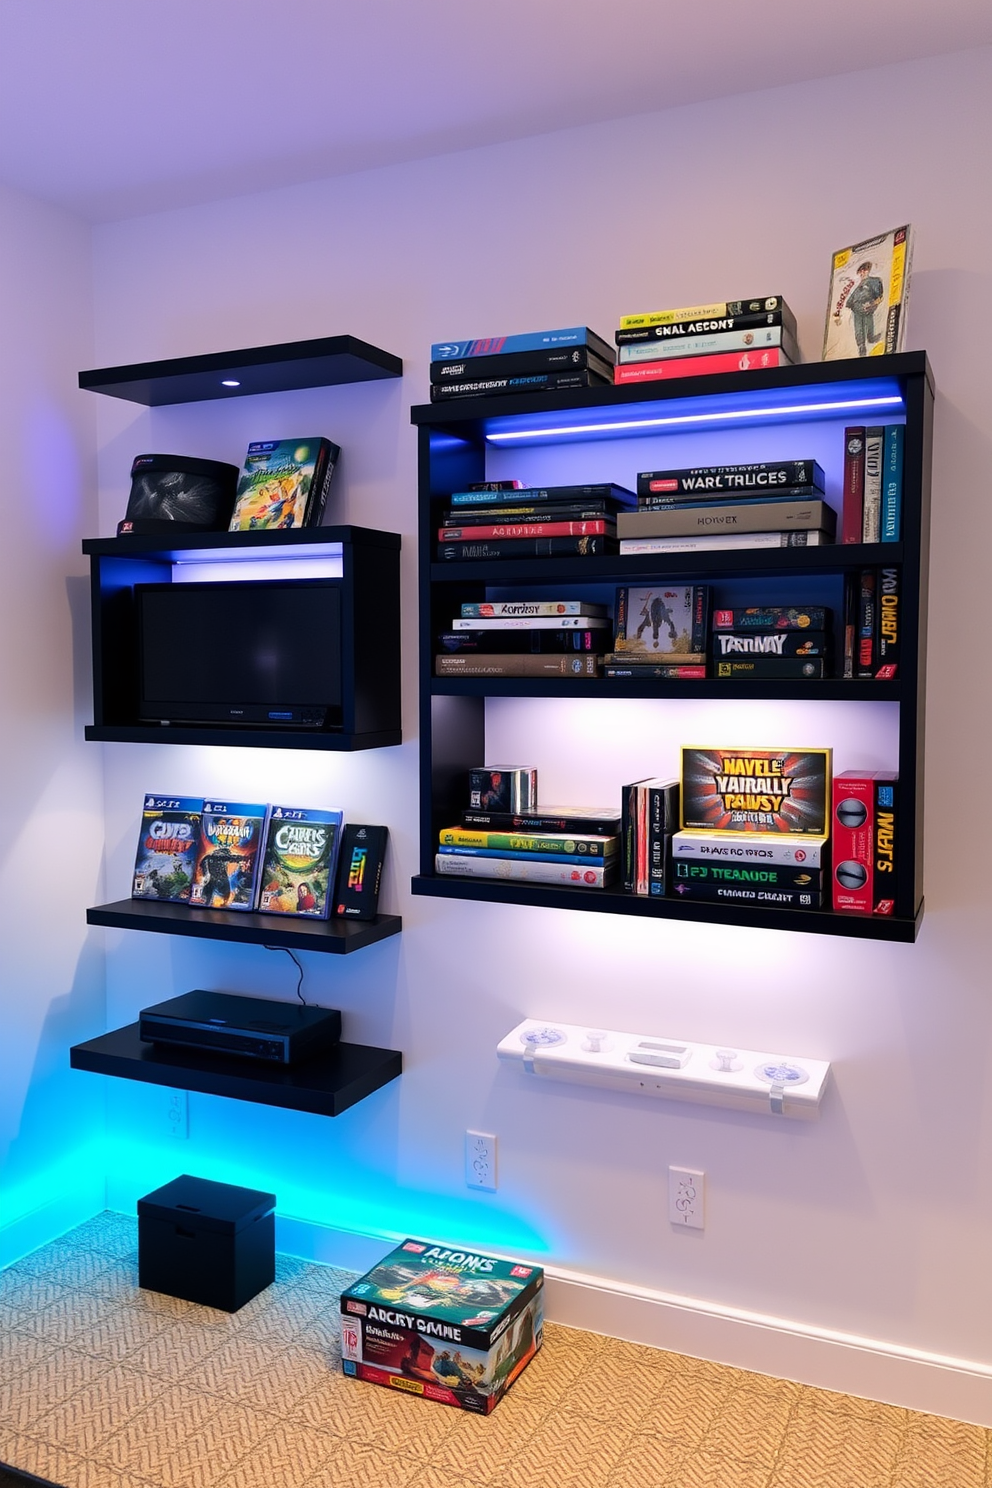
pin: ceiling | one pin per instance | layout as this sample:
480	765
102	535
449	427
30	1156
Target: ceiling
117	107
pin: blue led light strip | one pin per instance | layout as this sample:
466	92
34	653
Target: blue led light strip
721	416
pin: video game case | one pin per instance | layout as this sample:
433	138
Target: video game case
535	609
284	483
864	828
508	664
645	670
619	495
715	499
363	852
661	621
784	668
517	642
756	790
504	485
568	874
889	623
535	511
707	345
852	510
595	527
756	847
662	822
636	812
735	643
872	513
715	542
700	366
891	516
866	624
760	516
526	547
594	860
628	836
586	820
730	480
773	617
446	351
749	875
533	382
300	861
229	855
503	787
557	844
708	325
501	623
504	364
168	843
763	304
739	894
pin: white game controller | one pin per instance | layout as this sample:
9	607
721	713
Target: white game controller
743	1079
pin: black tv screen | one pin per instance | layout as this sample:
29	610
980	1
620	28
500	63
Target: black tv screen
265	653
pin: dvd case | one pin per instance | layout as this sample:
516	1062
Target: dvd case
167	848
301	853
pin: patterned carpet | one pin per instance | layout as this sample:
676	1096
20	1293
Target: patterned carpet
105	1386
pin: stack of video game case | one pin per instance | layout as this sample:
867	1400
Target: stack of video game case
732	336
505	834
525	638
502	519
792	642
780	504
755	827
534	362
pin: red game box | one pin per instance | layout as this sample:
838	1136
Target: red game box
864	823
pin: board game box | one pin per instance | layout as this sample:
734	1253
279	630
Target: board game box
167	846
301	853
443	1323
756	790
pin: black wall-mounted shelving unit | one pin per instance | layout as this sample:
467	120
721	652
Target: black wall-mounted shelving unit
455	438
335	937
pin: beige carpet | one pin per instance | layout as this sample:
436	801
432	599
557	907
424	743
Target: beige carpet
105	1386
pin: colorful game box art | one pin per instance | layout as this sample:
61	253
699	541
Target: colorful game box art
446	1324
301	853
231	837
284	483
167	847
756	790
661	620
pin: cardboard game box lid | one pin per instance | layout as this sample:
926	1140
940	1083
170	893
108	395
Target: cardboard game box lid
447	1286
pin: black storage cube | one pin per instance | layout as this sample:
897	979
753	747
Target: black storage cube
207	1242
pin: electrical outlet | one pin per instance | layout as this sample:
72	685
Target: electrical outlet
480	1160
686	1193
177	1114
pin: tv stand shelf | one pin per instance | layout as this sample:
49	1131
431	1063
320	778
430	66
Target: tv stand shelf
335	936
325	1086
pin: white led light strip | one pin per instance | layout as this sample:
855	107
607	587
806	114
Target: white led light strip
723	416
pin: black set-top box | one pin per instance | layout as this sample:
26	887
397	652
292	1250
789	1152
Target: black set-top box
247	1027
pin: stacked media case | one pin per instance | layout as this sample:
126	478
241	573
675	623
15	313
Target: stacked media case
701	340
760	601
533	362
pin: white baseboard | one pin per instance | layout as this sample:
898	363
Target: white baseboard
830	1360
49	1220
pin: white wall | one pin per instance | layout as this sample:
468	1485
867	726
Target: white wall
875	1221
51	976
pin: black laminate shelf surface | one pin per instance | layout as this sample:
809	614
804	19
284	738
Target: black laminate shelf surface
324	362
613	901
325	1086
335	936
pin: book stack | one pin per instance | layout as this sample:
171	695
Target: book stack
659	631
710	508
733	336
503	834
873	484
755	827
535	362
872	623
649	811
772	641
525	638
500	519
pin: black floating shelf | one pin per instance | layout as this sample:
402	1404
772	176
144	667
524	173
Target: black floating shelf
326	1085
324	362
612	901
761	689
233	738
335	936
292	542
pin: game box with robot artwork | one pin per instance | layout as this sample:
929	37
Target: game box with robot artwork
443	1323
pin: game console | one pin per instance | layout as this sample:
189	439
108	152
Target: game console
644	1064
246	1027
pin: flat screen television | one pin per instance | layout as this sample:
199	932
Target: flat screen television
247	653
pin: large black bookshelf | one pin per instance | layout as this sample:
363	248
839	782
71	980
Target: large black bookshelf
456	441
